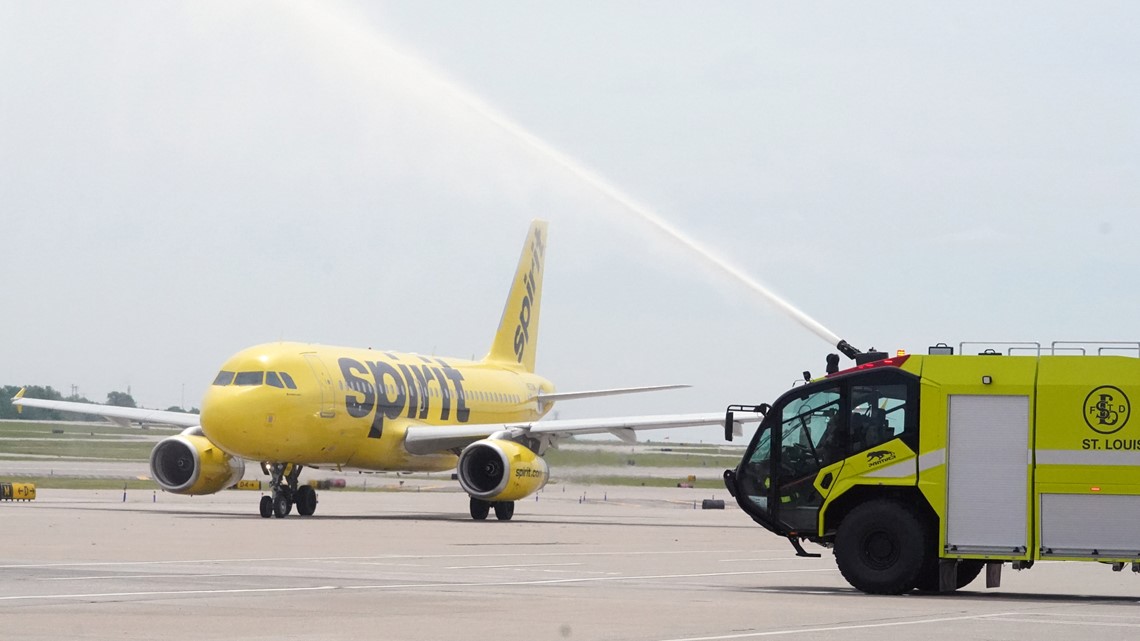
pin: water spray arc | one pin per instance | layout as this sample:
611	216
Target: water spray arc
592	179
425	72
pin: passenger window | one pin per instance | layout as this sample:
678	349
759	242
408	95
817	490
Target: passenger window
273	380
288	380
249	378
224	378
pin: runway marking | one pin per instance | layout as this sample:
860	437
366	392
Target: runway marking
593	579
97	595
383	557
1077	614
755	560
1011	617
488	567
138	576
391	586
837	628
1110	624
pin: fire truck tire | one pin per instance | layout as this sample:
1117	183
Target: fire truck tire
880	547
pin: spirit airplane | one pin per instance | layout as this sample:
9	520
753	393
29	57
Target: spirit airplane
294	405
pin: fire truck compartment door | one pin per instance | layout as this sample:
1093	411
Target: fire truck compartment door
987	471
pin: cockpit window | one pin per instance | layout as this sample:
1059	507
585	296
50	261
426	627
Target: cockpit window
273	380
249	378
288	381
224	378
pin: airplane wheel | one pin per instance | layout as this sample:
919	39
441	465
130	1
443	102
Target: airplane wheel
306	500
480	509
266	507
281	506
504	510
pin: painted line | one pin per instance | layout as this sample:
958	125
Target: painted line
595	579
1077	614
1056	622
393	586
838	628
138	576
98	595
383	557
758	560
488	567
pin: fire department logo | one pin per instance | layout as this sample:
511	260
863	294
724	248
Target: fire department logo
1107	409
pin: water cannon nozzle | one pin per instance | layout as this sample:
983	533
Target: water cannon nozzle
847	349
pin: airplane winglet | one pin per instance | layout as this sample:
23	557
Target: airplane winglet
18	396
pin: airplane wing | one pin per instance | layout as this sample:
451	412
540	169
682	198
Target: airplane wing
426	439
121	415
566	396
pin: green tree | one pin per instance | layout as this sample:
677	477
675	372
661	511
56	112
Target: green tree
120	399
7	410
175	408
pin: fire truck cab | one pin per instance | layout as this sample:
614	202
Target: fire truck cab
920	471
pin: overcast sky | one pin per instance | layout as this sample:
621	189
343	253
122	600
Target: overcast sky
179	181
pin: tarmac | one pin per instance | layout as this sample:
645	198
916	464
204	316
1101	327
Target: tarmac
578	562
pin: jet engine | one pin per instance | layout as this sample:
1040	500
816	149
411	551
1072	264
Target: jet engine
190	464
496	469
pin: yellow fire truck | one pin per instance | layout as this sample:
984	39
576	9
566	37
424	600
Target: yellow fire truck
920	471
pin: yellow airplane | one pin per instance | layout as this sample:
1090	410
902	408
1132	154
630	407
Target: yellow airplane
295	405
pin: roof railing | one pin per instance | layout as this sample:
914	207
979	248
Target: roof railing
1056	348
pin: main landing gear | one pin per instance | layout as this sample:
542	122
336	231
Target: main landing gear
285	493
504	510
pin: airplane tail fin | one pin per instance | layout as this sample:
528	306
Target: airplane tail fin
517	339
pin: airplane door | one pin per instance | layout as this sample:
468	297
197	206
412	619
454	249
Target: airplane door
324	380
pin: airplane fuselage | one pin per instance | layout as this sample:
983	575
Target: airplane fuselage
318	405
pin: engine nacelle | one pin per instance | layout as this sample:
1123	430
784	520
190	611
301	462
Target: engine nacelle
500	470
190	464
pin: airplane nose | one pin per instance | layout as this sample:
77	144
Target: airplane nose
224	416
242	420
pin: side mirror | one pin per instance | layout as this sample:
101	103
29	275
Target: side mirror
731	428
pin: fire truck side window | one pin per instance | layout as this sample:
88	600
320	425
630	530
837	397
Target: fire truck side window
879	413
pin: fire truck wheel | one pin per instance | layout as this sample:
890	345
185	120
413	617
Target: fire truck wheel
880	547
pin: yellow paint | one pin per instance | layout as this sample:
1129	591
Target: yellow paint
329	416
1080	411
18	491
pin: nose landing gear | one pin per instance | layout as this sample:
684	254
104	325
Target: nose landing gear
285	493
